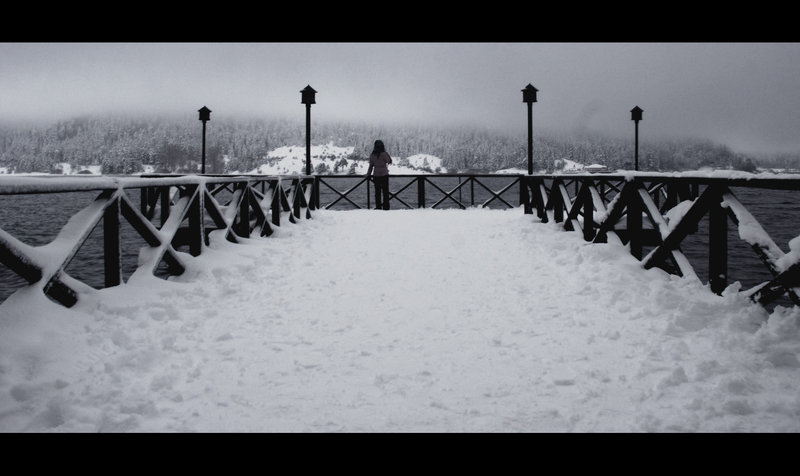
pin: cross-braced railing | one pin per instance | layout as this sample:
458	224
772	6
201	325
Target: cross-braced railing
654	215
660	211
420	191
172	212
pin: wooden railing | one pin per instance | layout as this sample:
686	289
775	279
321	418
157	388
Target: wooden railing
633	209
172	212
654	215
421	191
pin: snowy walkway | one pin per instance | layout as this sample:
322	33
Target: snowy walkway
402	321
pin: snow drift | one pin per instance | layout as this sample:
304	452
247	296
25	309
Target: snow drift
402	321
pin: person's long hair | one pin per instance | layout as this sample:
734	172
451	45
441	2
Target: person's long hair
378	148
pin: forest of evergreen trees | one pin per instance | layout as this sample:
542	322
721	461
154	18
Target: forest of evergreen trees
124	144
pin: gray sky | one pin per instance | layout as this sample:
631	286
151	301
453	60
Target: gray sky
746	95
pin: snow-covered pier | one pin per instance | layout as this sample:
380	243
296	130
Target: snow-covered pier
410	320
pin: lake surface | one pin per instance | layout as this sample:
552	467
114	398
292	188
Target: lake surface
36	220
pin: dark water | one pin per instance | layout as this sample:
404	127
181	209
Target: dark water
36	220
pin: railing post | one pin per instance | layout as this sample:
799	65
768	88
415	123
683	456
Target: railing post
717	247
18	263
421	192
634	223
524	194
164	204
557	201
112	257
541	201
472	189
588	214
276	202
315	193
672	196
297	190
195	220
144	200
244	212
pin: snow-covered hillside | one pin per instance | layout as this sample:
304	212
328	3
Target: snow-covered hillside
562	166
68	169
331	159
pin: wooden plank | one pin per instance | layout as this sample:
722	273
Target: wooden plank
788	279
112	255
16	255
255	207
394	196
304	197
196	225
472	190
308	187
61	292
571	224
62	249
212	209
717	248
140	224
634	223
614	212
497	195
344	195
597	201
686	225
751	231
654	214
243	215
588	213
276	203
296	198
524	197
166	202
316	193
543	203
159	241
73	234
446	195
557	200
143	200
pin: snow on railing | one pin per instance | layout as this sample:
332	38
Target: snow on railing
626	207
644	212
189	210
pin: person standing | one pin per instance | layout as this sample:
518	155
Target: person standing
379	160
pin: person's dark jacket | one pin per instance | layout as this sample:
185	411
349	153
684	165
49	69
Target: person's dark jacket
379	164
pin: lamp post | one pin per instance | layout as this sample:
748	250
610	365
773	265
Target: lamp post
529	97
307	98
636	116
205	115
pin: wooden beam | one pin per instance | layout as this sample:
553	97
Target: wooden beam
686	225
717	248
112	256
634	222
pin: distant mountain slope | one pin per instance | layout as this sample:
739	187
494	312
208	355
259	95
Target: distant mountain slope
120	144
331	159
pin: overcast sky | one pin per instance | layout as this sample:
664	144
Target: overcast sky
745	95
